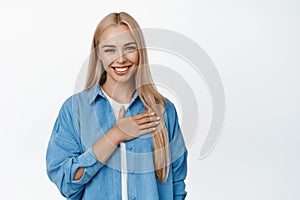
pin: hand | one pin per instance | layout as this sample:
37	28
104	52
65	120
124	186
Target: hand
135	126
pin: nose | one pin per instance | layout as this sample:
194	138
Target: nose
121	58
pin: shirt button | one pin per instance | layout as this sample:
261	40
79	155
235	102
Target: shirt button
88	162
133	198
130	148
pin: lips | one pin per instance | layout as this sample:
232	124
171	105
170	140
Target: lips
120	70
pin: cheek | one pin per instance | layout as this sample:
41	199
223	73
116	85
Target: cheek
133	57
107	60
105	64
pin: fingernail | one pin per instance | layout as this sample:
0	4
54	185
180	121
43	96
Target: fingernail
154	128
152	113
158	118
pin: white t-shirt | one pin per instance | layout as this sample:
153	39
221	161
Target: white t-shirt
116	108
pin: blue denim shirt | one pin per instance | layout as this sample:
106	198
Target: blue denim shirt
83	119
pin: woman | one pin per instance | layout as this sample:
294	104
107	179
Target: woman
119	138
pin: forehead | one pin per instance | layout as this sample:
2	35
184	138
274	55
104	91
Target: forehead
116	35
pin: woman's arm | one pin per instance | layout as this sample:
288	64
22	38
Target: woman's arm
103	149
64	156
125	129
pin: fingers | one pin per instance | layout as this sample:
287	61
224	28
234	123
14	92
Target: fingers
143	115
148	130
149	125
147	119
140	124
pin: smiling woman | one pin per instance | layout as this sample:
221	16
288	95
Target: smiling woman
119	138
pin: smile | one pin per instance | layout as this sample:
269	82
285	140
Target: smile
120	70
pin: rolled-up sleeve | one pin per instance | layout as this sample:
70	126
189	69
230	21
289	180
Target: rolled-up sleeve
178	155
64	156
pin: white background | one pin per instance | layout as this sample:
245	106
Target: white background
255	46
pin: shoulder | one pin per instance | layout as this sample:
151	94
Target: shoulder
68	105
76	98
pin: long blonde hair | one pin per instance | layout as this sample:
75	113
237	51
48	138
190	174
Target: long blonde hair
147	91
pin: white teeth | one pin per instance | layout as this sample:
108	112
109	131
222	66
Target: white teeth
121	69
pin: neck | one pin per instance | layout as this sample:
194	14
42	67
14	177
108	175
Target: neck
120	92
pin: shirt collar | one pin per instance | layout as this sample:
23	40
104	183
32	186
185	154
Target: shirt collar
97	90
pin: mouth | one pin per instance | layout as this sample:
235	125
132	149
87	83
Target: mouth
120	70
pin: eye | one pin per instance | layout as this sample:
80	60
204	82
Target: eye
109	50
131	48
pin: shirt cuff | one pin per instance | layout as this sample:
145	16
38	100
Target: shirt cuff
91	166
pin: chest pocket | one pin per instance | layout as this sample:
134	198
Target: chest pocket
145	143
140	154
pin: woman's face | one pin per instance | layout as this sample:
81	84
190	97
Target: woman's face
119	53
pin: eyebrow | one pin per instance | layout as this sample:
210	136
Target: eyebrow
107	45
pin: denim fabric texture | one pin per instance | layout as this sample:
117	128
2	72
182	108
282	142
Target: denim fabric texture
83	119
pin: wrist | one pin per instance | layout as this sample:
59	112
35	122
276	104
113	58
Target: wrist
113	136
